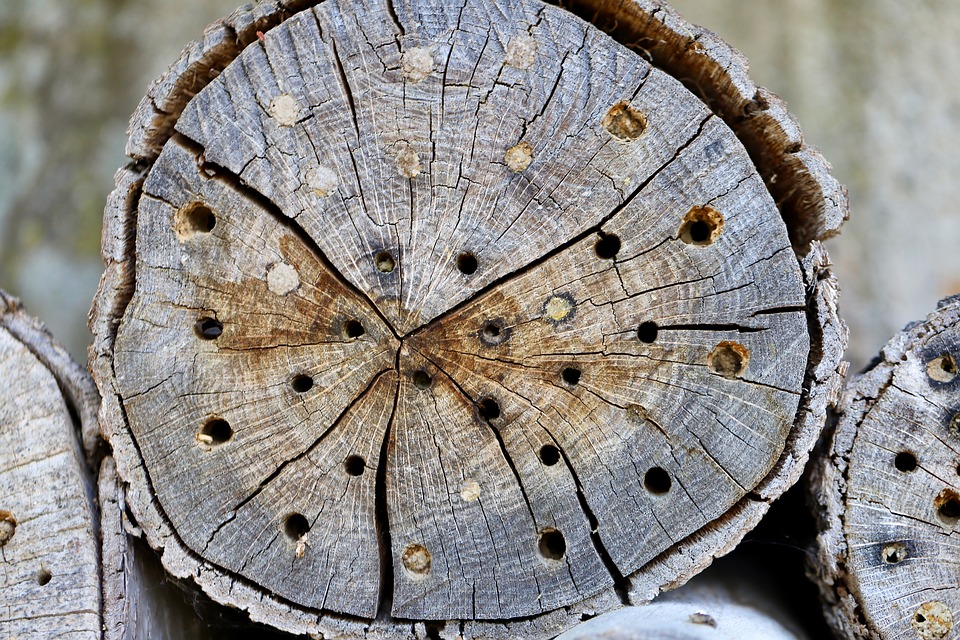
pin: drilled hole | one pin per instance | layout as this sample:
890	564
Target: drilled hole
355	465
195	218
384	262
491	331
467	263
352	329
44	577
894	553
489	409
302	383
494	332
607	247
295	526
947	504
701	226
416	560
422	379
657	481
551	544
8	526
549	455
728	359
209	328
647	332
571	375
905	461
214	432
624	122
942	369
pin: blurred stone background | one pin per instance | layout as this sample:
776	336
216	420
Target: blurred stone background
873	83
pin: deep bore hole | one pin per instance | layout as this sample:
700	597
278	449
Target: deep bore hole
551	544
905	461
353	329
422	379
467	263
549	455
608	246
384	262
624	122
295	526
571	375
657	481
894	553
193	219
947	504
355	465
647	332
701	226
209	328
943	368
302	383
494	332
215	431
44	576
489	409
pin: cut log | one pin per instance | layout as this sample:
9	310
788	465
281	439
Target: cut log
417	314
888	492
48	525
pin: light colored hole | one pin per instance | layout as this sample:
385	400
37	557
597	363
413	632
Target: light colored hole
701	226
558	308
624	122
728	359
470	491
416	64
284	110
282	278
521	52
932	620
194	219
408	161
416	560
942	369
894	553
519	156
8	526
384	262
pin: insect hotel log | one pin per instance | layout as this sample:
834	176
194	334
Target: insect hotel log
465	319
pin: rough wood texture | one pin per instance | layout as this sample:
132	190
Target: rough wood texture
887	490
48	529
428	313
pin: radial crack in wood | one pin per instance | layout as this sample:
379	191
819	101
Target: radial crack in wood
433	313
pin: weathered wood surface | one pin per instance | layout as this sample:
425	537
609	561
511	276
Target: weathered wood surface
887	490
429	313
49	543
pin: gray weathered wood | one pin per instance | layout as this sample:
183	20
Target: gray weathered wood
887	490
48	529
429	313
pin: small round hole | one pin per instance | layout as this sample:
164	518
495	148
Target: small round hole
624	122
607	247
489	409
467	263
491	331
728	359
209	328
384	262
942	369
905	461
215	431
657	481
571	375
355	465
195	218
44	576
647	332
699	232
295	526
947	504
8	526
701	226
894	553
352	329
551	544
416	559
494	332
302	383
549	455
422	379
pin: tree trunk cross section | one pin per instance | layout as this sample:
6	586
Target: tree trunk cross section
450	313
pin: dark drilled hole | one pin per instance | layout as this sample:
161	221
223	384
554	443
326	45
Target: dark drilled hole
385	262
422	379
549	455
489	409
209	328
700	232
44	577
195	218
551	544
494	332
353	329
607	247
295	526
947	504
647	332
571	375
657	481
302	383
894	553
355	465
905	461
467	263
215	431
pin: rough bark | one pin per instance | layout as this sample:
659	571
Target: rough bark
886	490
421	313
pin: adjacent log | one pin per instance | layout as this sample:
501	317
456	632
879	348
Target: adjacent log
416	313
888	490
